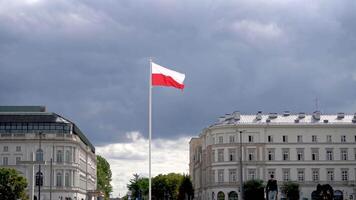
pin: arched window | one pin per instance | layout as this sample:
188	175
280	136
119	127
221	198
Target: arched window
233	195
67	180
221	196
39	155
39	179
59	180
68	156
59	156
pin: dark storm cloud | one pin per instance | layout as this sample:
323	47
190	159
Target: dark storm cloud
88	60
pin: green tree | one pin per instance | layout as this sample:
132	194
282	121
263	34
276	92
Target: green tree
12	185
291	190
186	190
138	187
104	176
166	186
253	190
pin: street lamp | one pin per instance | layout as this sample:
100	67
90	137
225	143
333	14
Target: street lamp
240	163
40	178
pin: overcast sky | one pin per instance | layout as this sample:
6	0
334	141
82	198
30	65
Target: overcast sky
88	61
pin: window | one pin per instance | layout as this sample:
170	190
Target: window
59	156
285	138
67	180
232	154
68	156
232	139
232	175
251	154
213	156
344	175
18	148
250	138
300	174
18	159
6	149
315	154
286	174
329	154
220	175
5	161
355	154
328	138
343	138
220	155
314	138
300	138
221	139
213	176
39	179
343	154
330	174
270	154
285	153
251	174
271	172
59	180
270	138
315	174
39	155
300	154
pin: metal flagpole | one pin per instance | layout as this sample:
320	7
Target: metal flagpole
150	133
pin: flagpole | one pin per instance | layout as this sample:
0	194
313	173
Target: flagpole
150	133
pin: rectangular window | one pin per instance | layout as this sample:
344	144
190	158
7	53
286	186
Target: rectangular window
343	138
220	155
270	154
330	174
213	156
6	149
18	148
251	154
221	139
329	154
300	154
285	154
314	138
328	138
5	161
343	154
271	172
232	175
300	138
270	138
18	159
213	176
220	175
232	139
251	174
286	174
285	138
344	175
300	174
250	138
232	154
315	174
315	154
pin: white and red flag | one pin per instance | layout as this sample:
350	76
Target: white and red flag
162	76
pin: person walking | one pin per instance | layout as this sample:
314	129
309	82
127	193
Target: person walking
272	188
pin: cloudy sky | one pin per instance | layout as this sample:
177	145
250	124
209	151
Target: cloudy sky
88	61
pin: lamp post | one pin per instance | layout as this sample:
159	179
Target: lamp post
240	163
40	180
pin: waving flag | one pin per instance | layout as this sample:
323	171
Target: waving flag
162	76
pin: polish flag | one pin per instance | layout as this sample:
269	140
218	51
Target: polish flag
162	76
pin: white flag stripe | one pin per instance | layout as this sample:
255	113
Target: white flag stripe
157	69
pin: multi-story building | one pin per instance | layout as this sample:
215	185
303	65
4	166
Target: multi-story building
308	149
56	158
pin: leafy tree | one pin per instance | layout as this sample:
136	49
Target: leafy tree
291	190
104	176
12	185
186	190
253	190
138	187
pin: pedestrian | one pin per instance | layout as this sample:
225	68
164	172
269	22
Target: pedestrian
272	188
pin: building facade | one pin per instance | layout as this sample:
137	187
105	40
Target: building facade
50	151
309	149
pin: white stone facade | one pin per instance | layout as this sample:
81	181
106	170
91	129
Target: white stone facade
73	157
308	149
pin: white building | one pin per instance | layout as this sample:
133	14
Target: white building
308	149
72	173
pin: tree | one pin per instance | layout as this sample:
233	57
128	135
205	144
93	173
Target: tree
253	190
104	176
186	190
12	184
138	187
291	190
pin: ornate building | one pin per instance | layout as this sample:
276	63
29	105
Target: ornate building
53	154
308	149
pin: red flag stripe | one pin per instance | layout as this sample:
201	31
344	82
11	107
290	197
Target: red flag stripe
162	80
